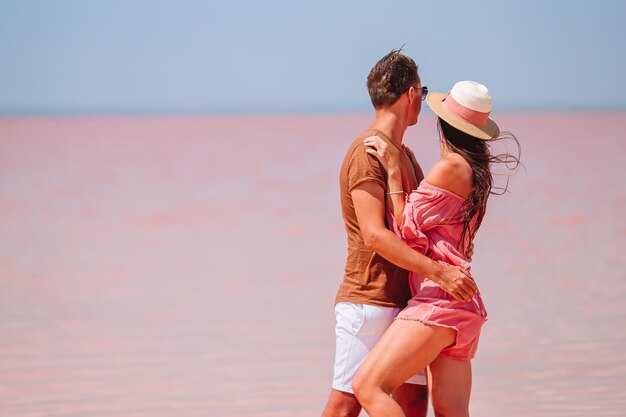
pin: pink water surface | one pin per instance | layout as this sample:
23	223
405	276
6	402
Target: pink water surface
187	266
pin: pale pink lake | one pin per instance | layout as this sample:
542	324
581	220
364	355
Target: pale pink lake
187	266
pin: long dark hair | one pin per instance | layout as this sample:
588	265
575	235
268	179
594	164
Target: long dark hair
477	153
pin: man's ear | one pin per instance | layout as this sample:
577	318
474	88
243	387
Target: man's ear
411	93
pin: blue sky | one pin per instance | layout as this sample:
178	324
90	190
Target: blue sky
144	56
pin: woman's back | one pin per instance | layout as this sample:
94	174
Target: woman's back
453	173
434	215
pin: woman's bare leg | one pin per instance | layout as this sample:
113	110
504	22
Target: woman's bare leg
405	348
451	387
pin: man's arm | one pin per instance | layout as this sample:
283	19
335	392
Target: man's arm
369	204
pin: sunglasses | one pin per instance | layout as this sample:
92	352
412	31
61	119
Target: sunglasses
424	91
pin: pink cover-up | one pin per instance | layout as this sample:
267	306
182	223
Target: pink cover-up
432	225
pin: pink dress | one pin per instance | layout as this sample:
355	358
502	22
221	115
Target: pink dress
433	227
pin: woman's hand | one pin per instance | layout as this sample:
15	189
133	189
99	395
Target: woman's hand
389	156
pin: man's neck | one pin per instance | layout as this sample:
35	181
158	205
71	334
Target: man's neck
390	124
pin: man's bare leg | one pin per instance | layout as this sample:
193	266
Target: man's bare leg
341	404
413	399
452	385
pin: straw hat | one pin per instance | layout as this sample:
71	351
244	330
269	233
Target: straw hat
466	107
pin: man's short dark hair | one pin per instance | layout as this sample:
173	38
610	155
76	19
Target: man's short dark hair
391	77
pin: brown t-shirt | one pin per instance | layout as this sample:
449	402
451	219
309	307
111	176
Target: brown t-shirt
369	278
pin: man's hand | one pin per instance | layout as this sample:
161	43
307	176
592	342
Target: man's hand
456	281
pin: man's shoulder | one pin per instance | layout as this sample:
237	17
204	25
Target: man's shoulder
356	150
359	166
358	141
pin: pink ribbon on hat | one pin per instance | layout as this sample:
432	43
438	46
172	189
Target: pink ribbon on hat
474	117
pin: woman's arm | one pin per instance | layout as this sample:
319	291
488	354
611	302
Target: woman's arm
389	157
396	199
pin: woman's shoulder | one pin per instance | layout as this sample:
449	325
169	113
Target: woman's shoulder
452	173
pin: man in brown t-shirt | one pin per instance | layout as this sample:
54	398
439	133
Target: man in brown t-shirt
375	285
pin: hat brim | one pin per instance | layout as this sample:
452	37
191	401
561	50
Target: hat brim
488	131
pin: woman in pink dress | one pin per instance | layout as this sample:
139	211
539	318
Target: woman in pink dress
440	220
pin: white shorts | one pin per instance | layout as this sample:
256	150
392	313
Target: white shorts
358	328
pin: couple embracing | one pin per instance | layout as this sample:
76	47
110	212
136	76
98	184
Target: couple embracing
407	300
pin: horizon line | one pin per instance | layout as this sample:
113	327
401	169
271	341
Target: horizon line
4	113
